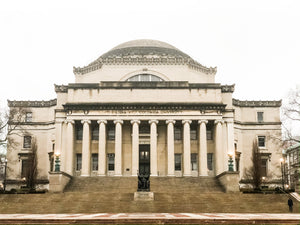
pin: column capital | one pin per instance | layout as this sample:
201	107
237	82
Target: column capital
118	121
135	121
69	121
186	121
170	121
202	121
86	121
219	121
153	121
102	121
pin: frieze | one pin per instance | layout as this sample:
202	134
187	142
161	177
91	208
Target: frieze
142	60
145	107
49	103
240	103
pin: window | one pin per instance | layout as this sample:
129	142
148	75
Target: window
209	130
144	129
28	117
79	131
95	132
261	141
209	135
260	116
177	133
78	162
24	169
194	165
264	163
210	161
145	78
177	162
111	133
27	142
94	162
111	162
193	133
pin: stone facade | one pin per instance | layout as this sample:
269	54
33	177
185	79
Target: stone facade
146	106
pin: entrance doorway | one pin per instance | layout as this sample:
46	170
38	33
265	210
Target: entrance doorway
144	159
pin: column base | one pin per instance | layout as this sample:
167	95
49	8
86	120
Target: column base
85	175
171	175
134	175
118	175
187	175
101	175
203	175
154	175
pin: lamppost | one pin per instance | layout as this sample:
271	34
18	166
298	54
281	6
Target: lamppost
57	162
230	161
263	180
5	169
282	172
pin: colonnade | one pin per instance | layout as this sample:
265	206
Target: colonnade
202	147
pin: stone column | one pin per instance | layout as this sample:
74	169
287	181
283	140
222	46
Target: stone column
170	144
69	147
86	151
230	143
153	147
118	147
218	147
186	148
202	155
102	148
135	147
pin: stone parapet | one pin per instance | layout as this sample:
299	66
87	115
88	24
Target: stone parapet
58	181
230	181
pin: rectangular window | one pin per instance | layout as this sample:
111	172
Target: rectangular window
79	131
177	133
261	141
27	142
95	132
111	133
94	162
111	162
210	161
209	135
78	161
193	133
264	163
194	164
260	116
28	117
177	162
24	171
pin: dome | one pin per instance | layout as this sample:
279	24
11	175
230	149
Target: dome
144	47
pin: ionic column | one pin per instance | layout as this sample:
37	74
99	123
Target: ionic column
170	144
153	147
135	147
218	147
202	148
230	143
69	161
186	148
86	152
118	147
102	148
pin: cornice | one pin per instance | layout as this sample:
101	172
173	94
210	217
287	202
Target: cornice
142	60
227	88
145	106
61	88
240	103
257	123
37	104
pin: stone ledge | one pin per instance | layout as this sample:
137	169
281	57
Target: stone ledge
143	196
230	181
58	181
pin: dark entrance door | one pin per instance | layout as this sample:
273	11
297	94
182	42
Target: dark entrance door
144	159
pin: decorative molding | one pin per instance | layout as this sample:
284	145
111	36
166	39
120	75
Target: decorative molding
69	121
257	123
153	121
61	88
202	121
240	103
135	121
118	121
37	104
85	121
186	121
219	121
145	106
170	121
227	88
102	121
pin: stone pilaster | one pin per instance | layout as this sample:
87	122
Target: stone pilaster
135	147
86	151
218	147
202	148
153	147
69	161
230	143
170	144
186	148
118	147
102	148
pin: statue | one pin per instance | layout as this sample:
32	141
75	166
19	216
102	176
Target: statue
143	182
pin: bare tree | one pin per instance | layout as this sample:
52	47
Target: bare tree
254	172
31	170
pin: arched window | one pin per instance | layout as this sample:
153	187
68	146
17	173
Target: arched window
145	78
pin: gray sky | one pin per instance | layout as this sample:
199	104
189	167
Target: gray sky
254	44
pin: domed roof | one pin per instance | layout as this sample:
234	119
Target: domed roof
144	47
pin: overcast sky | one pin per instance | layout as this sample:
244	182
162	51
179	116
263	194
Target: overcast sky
254	44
